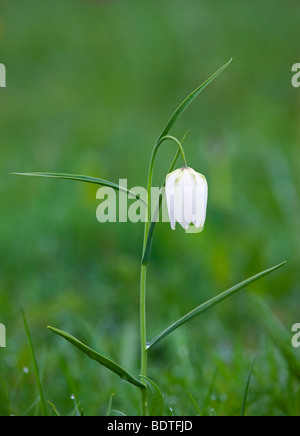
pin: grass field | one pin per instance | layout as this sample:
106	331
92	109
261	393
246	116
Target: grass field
90	85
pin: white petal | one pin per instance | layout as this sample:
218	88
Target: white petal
170	196
202	193
190	197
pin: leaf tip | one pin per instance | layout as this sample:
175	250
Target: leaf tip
281	264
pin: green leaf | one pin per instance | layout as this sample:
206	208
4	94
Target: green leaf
109	409
117	413
81	178
75	411
155	400
205	306
185	104
6	398
247	388
54	409
32	406
195	404
36	368
104	361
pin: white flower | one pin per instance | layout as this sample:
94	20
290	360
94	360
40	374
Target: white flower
186	194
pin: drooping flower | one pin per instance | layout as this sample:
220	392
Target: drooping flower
186	195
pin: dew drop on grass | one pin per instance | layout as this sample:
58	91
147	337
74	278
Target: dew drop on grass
72	397
25	370
212	412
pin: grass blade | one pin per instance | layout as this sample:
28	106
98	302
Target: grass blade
205	306
36	368
156	400
81	178
104	361
6	398
109	409
54	409
36	401
247	388
76	407
185	104
118	413
195	404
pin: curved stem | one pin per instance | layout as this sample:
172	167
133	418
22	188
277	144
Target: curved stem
150	176
147	249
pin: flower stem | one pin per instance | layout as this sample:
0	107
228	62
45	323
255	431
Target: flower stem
150	175
143	336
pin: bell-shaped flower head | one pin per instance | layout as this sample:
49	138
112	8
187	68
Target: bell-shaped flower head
186	195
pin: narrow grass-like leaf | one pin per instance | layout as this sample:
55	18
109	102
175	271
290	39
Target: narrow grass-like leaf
110	405
195	404
246	390
185	104
104	361
54	408
76	406
36	401
6	398
156	400
81	178
118	413
205	306
36	368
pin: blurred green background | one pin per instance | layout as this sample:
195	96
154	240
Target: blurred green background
90	85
